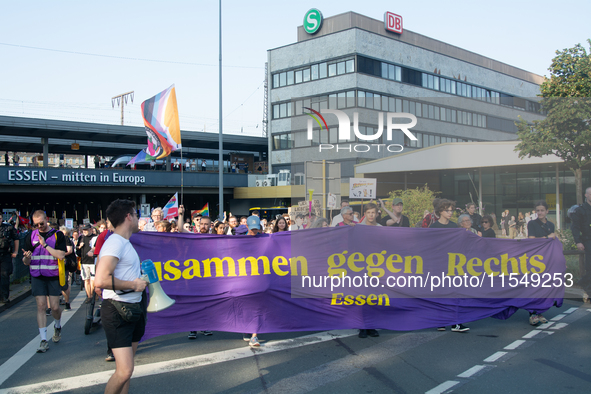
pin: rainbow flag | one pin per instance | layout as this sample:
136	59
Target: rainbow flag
161	121
202	212
171	209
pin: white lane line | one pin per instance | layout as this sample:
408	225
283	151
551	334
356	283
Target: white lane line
545	325
558	317
559	326
515	344
531	334
93	379
22	356
494	357
571	310
442	387
471	371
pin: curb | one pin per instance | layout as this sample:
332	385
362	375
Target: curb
15	301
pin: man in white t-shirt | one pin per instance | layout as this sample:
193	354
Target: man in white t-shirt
339	218
118	273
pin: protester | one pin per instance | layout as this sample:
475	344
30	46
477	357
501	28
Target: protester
540	228
233	223
42	249
243	220
220	228
203	165
338	218
299	223
320	223
86	253
431	217
118	273
581	229
70	255
8	238
465	222
512	228
487	231
254	227
347	215
163	226
280	225
474	217
142	223
371	215
157	215
395	218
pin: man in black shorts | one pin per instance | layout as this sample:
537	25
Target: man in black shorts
42	249
118	273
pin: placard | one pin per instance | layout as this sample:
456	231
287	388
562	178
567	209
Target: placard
362	188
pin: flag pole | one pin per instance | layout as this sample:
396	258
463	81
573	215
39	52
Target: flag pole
221	153
182	178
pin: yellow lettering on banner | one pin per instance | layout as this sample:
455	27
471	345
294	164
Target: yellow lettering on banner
474	262
349	300
293	265
194	270
158	265
385	298
523	263
371	299
360	300
505	260
254	266
219	266
452	266
168	267
277	262
354	258
408	264
538	264
333	267
393	259
487	268
336	299
379	257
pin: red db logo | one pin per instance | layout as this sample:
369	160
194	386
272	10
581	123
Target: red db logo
393	22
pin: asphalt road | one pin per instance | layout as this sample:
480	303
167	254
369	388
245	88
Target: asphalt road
494	357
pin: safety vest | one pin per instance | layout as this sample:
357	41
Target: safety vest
42	262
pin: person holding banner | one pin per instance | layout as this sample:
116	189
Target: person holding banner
371	215
157	215
118	274
395	218
43	247
347	215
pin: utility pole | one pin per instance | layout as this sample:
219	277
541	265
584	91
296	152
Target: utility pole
121	99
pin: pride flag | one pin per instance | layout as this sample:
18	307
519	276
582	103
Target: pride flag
161	121
171	209
204	211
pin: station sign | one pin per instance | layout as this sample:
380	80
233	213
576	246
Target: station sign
393	22
312	21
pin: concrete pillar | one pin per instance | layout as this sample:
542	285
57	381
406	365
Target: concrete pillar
45	142
557	199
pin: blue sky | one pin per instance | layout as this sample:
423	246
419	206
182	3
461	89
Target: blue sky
61	81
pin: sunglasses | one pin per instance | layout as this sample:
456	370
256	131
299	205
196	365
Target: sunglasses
484	221
39	225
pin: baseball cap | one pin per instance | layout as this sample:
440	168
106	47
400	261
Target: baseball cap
397	201
253	222
86	227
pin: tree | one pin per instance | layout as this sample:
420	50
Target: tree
566	100
416	202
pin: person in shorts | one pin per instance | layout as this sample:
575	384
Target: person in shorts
118	274
43	247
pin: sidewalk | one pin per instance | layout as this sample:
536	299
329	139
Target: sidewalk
18	292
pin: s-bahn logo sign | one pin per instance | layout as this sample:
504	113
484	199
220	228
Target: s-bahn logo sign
344	133
393	22
312	21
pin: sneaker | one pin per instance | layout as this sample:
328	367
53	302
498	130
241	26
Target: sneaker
362	334
246	337
68	307
62	301
542	319
57	335
534	320
110	357
459	328
254	341
373	333
87	301
440	328
43	347
207	333
193	335
48	311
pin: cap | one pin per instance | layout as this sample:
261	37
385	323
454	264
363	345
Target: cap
397	201
240	230
253	222
86	227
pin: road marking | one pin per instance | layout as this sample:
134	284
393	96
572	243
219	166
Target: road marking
494	357
515	344
559	326
545	325
558	317
100	378
30	349
531	334
571	310
443	387
471	371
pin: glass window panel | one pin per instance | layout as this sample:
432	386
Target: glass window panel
322	70
431	112
453	115
391	71
351	66
418	109
430	81
469	118
437	140
324	136
282	79
332	70
384	70
405	106
453	87
419	140
368	100
413	144
332	101
425	110
398	73
473	91
289	108
484	121
276	111
425	140
464	90
282	110
436	83
391	104
384	103
276	142
436	112
299	76
340	68
398	105
341	100
425	80
306	75
323	104
333	131
377	102
290	77
298	107
314	69
361	98
412	107
275	80
316	106
351	98
443	113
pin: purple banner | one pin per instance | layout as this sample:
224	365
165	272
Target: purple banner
348	277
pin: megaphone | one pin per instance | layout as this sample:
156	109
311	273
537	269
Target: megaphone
159	301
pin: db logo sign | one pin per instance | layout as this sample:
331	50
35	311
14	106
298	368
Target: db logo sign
393	22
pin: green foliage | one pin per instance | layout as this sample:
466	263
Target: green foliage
566	130
416	202
567	239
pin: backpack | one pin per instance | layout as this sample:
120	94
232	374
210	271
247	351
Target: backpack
71	262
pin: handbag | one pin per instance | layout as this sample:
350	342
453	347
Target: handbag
129	311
